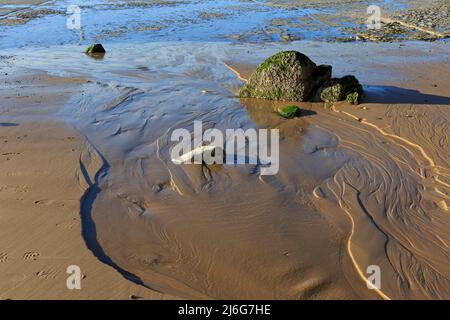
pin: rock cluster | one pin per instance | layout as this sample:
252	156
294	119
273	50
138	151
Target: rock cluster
292	76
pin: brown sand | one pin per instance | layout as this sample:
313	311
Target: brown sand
358	186
41	186
396	198
353	191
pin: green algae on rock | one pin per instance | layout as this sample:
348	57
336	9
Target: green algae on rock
354	97
346	88
289	112
95	49
284	76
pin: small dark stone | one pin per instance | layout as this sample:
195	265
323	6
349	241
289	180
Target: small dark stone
95	48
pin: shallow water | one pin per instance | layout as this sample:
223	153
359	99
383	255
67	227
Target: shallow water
194	20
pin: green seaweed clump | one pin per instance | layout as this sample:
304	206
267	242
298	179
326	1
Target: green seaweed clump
289	112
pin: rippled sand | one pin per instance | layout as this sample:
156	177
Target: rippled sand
358	185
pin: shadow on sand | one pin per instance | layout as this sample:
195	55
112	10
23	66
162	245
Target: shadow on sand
8	124
397	95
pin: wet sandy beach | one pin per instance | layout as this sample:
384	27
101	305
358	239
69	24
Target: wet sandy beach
358	185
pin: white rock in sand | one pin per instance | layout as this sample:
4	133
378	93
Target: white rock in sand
189	156
443	205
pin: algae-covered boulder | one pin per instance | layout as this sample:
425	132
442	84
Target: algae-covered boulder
284	76
346	88
292	76
289	112
95	49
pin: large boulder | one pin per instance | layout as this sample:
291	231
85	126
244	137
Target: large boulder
285	76
337	89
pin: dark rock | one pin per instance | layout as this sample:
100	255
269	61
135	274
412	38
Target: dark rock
330	91
321	74
95	49
354	97
338	89
292	76
284	76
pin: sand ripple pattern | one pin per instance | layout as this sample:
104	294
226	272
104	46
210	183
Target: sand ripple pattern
349	193
396	193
